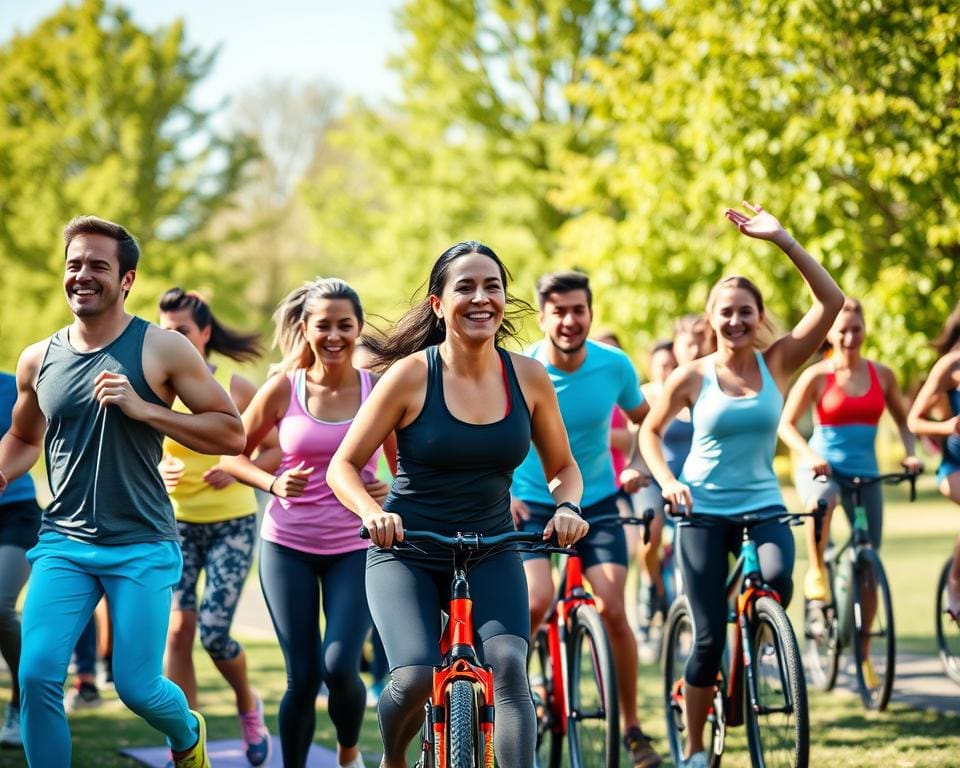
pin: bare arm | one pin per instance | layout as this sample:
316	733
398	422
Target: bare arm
894	401
799	400
791	351
942	378
679	392
21	445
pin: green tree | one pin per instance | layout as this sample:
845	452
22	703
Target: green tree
98	118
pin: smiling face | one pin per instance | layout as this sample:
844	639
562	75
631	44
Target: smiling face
331	329
848	331
735	317
472	301
182	322
91	278
565	319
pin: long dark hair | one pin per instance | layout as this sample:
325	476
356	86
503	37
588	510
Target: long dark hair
420	328
297	307
243	347
950	335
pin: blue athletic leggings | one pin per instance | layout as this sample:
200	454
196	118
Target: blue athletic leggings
67	582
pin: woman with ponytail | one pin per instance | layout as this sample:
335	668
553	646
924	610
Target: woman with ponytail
217	521
939	397
464	411
309	543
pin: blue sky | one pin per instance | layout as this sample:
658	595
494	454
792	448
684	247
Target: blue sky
346	42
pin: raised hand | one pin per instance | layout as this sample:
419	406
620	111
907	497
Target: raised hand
761	225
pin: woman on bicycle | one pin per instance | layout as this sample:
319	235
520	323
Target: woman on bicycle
217	522
309	541
848	393
464	411
940	396
734	397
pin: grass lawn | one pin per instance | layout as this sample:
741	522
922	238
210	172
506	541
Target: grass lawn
917	540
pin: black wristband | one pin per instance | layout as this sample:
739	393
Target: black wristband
571	506
270	489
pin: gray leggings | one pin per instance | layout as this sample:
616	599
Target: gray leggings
401	704
14	572
704	560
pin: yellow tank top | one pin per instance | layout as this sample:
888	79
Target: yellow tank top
193	500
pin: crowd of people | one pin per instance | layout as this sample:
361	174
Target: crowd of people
153	451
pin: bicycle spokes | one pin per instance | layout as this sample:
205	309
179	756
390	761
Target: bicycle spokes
873	641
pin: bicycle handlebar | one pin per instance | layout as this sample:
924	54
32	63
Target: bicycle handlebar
891	478
747	520
478	541
645	519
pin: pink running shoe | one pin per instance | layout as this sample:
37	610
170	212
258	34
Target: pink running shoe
255	735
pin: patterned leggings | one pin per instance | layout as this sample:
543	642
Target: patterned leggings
223	551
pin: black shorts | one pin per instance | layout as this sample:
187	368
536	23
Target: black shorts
406	595
602	544
20	523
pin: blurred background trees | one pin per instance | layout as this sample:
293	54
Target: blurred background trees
603	135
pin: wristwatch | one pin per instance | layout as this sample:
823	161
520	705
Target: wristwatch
571	506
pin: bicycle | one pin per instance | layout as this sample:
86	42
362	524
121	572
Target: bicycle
572	674
948	628
860	611
764	684
458	717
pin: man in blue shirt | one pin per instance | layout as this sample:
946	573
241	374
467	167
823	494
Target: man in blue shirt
590	379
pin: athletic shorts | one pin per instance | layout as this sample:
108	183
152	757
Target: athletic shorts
602	544
810	491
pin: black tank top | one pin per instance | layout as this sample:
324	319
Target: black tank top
102	465
453	476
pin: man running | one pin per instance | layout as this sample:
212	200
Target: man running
97	396
590	379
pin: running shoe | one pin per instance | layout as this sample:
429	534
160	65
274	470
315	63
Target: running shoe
870	678
196	757
641	751
10	733
256	737
83	695
815	587
696	760
357	762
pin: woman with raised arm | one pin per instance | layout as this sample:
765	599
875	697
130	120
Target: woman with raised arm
849	394
217	523
309	540
735	398
940	396
464	411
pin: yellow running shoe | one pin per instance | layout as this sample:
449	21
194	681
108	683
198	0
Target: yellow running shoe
815	587
197	757
870	678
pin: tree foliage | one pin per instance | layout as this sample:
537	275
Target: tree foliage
97	118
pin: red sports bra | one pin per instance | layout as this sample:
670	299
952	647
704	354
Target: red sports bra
836	408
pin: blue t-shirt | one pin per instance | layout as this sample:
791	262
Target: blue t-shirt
20	489
587	396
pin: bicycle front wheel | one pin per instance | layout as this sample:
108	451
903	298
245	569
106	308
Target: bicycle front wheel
463	732
874	644
948	630
778	728
540	674
593	717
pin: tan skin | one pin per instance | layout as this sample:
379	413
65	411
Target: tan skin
931	401
471	305
95	292
853	376
565	320
183	624
333	394
736	318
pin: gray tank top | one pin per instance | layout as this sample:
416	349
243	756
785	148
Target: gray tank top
101	464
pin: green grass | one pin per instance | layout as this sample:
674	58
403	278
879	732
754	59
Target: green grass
917	540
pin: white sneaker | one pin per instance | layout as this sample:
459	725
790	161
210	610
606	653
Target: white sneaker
357	762
696	760
10	733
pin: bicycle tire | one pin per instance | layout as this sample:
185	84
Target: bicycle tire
821	628
779	733
540	674
593	715
877	696
463	732
948	630
678	640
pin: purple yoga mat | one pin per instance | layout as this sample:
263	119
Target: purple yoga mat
230	754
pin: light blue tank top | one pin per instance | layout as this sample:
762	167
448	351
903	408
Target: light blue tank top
730	466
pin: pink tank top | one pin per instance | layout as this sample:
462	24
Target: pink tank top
316	522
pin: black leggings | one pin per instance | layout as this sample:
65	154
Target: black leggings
292	582
704	561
